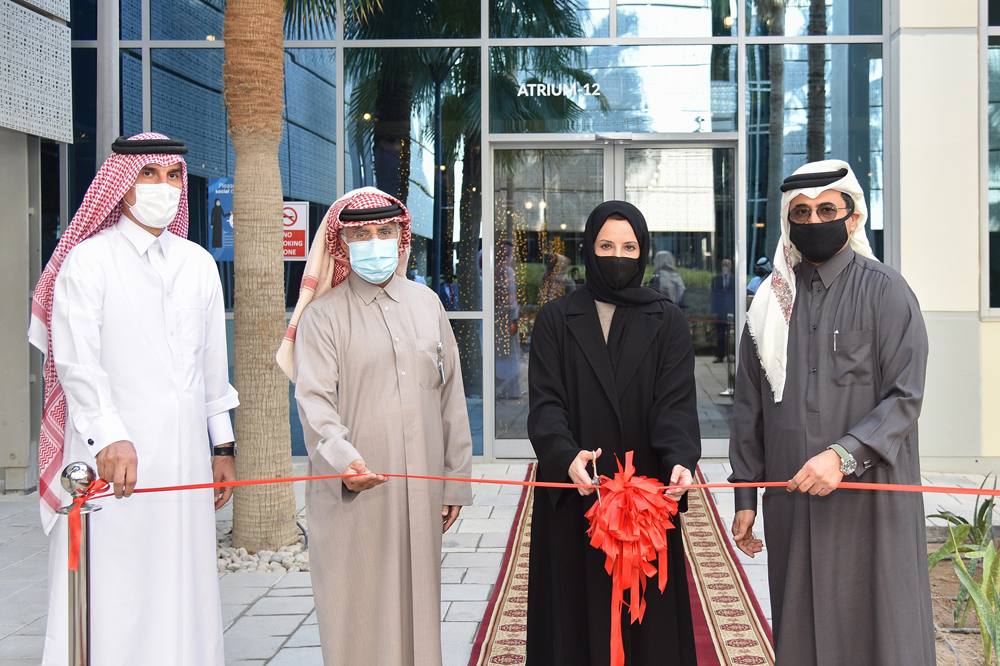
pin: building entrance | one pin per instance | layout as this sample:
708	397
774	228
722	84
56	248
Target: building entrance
542	195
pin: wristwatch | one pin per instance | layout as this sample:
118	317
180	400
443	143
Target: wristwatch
227	450
847	462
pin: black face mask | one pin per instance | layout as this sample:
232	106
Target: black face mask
818	242
618	271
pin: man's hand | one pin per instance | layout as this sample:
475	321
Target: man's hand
680	476
365	478
117	464
448	516
743	533
223	471
578	472
819	476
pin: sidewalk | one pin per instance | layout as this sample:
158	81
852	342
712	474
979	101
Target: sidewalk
269	617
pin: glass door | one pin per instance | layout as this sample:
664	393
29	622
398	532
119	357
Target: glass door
541	199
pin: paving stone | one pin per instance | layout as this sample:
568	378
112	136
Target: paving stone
298	656
311	619
252	647
496	499
458	632
265	625
466	611
254	579
230	612
481	575
282	606
286	592
444	608
494	539
451	575
472	560
481	526
466	592
295	579
466	542
453	654
21	647
305	636
36	628
476	511
240	595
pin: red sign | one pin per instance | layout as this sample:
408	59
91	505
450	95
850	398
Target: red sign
295	244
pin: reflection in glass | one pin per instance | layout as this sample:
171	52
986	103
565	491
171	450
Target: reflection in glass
549	18
469	337
412	128
186	19
130	19
814	17
993	66
790	123
669	18
686	88
688	199
412	19
541	201
131	91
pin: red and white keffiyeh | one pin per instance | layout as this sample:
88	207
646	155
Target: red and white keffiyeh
328	264
101	208
770	313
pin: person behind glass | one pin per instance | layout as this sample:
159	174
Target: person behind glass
723	305
666	279
448	293
611	370
829	388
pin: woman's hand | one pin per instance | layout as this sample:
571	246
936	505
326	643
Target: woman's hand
578	470
680	476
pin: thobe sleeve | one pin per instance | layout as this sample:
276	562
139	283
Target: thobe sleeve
77	317
317	380
454	422
746	438
673	420
548	414
220	396
902	364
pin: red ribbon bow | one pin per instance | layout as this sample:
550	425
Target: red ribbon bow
96	487
630	525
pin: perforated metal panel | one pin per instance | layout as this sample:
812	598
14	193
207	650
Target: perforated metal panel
57	8
35	73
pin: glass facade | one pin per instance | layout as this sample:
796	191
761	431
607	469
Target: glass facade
993	115
500	174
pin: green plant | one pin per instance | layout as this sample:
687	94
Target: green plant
984	593
977	534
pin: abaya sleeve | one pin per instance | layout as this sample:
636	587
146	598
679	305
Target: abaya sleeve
673	419
548	416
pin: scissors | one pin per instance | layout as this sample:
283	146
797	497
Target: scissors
597	478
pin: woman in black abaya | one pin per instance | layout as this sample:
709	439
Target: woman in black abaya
611	370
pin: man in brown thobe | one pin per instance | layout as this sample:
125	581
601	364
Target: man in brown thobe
379	389
829	388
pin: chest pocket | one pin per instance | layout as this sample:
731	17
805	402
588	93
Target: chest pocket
853	358
191	320
427	358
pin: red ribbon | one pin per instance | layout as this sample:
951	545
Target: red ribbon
630	525
96	487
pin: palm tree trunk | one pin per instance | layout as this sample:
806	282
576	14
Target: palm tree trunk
253	76
816	104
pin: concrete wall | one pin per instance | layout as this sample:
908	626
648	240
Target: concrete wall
937	143
20	213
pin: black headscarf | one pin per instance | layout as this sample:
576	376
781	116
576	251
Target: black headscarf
633	293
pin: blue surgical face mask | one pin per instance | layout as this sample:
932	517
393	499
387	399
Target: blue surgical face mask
374	260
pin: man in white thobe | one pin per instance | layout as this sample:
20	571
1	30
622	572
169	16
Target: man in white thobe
136	326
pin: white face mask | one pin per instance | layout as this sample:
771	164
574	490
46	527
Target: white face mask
155	204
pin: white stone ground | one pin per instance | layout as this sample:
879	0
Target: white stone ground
269	616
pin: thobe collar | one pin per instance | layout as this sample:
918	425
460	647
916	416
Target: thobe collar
141	239
829	270
368	291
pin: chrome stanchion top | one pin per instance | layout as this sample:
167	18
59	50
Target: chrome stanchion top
76	479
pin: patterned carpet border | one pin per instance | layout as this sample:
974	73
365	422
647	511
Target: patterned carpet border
739	633
730	628
501	633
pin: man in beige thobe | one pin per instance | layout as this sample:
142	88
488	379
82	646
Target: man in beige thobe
379	389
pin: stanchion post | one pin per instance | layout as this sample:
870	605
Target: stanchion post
730	354
76	479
